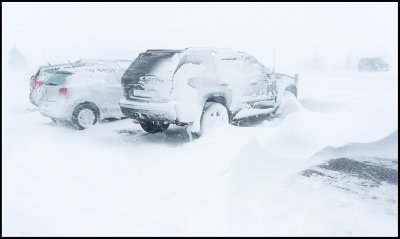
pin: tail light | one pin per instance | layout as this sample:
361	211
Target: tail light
63	91
36	83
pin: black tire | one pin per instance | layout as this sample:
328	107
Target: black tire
76	118
293	90
153	127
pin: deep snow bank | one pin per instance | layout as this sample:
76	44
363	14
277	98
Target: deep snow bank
115	179
385	148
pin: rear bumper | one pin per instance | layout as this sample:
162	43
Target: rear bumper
35	97
56	110
148	110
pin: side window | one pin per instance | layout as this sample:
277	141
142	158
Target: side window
198	58
253	69
229	70
231	73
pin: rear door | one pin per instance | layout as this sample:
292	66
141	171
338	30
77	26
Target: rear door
231	74
259	89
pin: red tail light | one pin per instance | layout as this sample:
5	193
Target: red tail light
63	91
36	83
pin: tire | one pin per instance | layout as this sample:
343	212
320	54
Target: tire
153	127
214	115
84	116
292	90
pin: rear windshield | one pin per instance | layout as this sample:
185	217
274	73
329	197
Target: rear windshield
58	78
151	63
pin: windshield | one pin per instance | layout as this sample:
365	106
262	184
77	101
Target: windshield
58	78
151	64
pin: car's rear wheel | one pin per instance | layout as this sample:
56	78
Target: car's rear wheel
292	89
84	116
153	126
214	116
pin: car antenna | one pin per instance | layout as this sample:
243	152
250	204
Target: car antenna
274	56
47	61
71	64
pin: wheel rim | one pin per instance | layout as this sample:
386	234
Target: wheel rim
86	118
214	118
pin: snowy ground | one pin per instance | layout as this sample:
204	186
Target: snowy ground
297	175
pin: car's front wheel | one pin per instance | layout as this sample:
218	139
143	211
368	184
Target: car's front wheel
84	116
214	116
153	126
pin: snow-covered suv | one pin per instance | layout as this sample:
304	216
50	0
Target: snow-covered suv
201	88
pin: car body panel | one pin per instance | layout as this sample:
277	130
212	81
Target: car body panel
97	84
235	79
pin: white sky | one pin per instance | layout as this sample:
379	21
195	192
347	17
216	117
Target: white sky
58	31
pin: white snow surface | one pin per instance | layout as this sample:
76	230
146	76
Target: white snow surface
114	179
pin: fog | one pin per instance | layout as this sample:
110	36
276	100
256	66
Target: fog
297	32
320	162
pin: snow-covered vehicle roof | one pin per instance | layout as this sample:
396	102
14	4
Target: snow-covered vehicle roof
85	62
93	61
218	52
95	65
52	68
207	55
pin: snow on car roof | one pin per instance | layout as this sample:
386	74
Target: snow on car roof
218	51
164	50
93	60
93	66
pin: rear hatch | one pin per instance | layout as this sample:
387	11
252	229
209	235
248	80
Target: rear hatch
43	74
149	77
32	82
53	89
